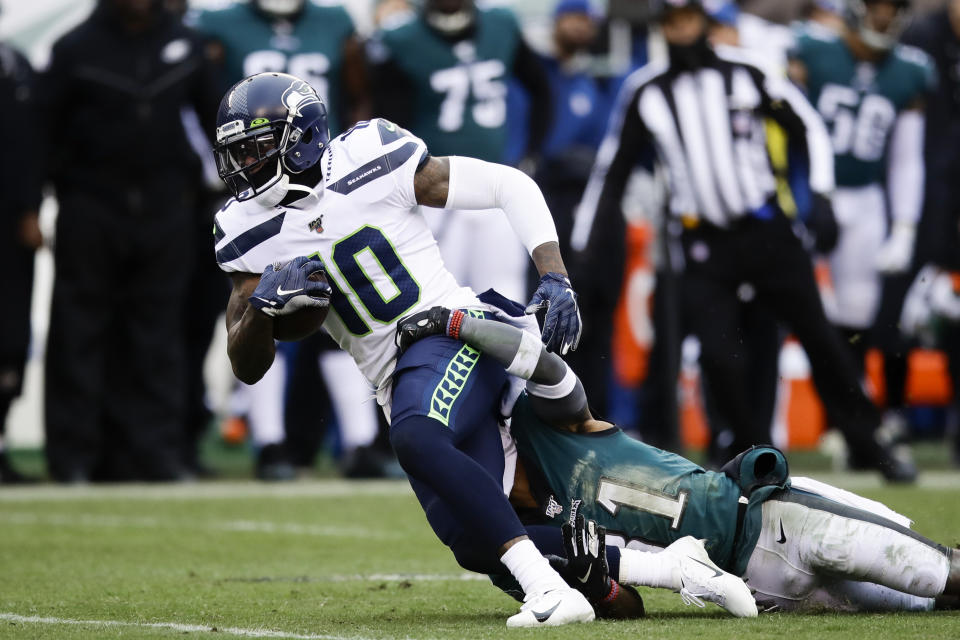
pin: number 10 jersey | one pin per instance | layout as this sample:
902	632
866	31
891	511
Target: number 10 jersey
381	259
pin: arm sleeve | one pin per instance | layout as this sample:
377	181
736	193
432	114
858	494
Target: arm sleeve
529	71
475	184
52	87
25	136
906	169
789	108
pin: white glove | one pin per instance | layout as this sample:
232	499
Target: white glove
932	295
916	312
895	254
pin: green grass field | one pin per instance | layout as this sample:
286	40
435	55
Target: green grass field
330	559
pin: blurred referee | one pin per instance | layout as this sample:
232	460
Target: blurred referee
702	117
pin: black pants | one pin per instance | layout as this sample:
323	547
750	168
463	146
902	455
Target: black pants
115	356
207	290
765	260
16	265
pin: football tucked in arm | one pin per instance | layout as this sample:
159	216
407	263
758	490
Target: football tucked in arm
304	322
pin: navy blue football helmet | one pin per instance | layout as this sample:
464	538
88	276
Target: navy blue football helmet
269	126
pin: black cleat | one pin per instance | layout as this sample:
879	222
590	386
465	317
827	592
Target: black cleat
897	469
273	465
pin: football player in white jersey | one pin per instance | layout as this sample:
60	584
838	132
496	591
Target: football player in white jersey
349	206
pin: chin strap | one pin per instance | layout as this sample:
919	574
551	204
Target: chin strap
877	40
276	193
272	196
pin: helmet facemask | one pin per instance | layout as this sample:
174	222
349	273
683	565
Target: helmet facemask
450	18
858	20
282	9
249	162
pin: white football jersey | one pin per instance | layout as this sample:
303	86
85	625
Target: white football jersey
381	258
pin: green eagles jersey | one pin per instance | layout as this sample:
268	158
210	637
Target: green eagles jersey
860	101
310	48
460	89
639	493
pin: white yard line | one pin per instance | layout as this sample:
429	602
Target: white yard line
173	626
243	526
373	577
934	480
208	491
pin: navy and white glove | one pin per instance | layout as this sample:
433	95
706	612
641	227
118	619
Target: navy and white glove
286	289
562	325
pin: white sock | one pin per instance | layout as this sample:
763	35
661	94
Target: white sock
648	569
531	569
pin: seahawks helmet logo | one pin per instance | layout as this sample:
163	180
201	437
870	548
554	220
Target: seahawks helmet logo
298	95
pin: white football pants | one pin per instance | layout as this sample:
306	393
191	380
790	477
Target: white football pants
817	553
861	218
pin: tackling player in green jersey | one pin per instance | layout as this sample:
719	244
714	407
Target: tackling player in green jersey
798	542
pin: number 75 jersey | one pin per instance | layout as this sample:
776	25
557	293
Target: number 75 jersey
364	223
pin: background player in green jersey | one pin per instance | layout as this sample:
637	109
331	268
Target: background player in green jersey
798	542
870	92
442	73
315	42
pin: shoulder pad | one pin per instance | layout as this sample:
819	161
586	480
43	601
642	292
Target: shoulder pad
367	151
241	226
914	55
814	31
397	20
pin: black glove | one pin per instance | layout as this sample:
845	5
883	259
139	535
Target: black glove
432	322
822	224
586	563
562	325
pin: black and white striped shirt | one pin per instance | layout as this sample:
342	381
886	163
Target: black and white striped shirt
706	128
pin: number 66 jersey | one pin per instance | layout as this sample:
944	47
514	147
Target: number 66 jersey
364	223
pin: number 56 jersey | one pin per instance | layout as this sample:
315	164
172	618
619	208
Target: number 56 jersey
860	101
364	223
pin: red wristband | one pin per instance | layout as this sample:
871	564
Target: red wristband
614	591
453	326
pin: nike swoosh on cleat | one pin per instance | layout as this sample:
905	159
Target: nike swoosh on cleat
544	615
715	574
269	302
586	576
783	536
282	292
